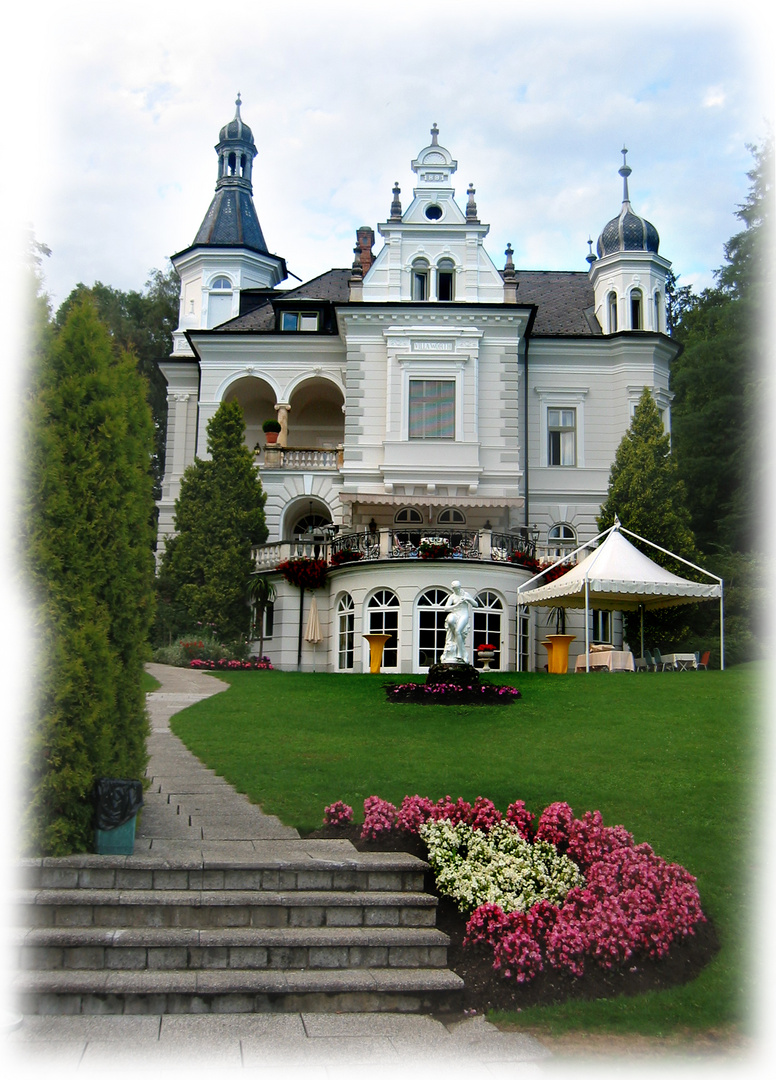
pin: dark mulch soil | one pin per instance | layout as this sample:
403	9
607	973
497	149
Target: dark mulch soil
487	989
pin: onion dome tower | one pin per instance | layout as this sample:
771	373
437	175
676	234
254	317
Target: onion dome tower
627	272
229	253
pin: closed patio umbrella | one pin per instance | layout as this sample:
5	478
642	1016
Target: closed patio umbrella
313	629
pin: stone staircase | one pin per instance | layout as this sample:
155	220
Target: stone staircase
140	934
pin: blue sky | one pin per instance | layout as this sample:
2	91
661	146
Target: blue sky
534	104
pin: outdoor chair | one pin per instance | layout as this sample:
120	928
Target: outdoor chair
660	663
702	661
649	660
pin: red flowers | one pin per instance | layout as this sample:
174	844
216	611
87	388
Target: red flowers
304	573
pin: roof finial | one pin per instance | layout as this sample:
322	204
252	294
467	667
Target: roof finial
237	107
625	171
434	135
471	205
590	257
617	524
396	203
509	266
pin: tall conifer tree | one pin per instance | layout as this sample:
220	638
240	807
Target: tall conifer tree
219	517
87	546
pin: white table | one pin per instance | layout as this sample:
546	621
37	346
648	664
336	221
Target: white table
609	660
681	661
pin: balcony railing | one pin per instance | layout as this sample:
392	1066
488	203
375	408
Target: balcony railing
307	458
482	545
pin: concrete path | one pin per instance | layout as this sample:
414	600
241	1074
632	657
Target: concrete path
190	810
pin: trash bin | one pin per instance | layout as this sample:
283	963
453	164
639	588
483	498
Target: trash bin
116	805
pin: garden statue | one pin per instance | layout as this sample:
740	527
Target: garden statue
457	625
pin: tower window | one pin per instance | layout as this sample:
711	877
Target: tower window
445	280
612	303
657	313
433	213
635	306
221	283
420	280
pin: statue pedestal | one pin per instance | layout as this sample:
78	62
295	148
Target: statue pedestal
459	674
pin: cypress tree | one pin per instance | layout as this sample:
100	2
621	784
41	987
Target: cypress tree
87	536
219	517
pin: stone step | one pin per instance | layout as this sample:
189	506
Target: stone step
367	871
200	910
157	949
237	991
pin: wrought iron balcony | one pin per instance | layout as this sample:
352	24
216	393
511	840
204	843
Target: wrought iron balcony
481	545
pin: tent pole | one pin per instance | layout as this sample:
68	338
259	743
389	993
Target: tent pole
587	626
641	609
301	613
721	630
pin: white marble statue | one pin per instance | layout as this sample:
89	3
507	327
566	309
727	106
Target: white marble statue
457	625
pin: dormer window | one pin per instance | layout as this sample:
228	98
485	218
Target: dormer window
420	280
635	306
298	320
445	280
612	307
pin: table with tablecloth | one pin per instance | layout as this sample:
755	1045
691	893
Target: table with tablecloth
610	660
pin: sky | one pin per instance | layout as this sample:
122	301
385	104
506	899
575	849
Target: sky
534	102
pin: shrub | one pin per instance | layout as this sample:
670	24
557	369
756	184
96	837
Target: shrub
379	818
413	812
339	813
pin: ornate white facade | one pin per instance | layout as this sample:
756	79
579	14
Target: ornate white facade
425	397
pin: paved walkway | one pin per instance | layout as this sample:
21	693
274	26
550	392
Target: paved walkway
190	810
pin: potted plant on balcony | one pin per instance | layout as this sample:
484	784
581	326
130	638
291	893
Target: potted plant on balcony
271	429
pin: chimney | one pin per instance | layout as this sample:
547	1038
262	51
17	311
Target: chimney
365	238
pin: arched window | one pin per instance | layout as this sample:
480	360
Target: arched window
311	523
408	515
636	312
420	280
431	626
658	323
487	625
219	302
383	618
346	618
451	516
445	279
612	308
561	539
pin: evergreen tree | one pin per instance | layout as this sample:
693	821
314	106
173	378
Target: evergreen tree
648	496
87	548
143	323
719	380
219	517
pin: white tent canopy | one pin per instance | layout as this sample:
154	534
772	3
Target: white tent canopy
618	577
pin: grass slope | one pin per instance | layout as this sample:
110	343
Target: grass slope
672	757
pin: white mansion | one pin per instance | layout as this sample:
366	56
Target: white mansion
429	403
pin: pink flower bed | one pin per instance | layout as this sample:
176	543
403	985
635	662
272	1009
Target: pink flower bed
632	903
257	663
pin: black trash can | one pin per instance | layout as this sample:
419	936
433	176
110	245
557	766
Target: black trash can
116	803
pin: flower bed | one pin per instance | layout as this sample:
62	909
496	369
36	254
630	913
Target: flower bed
563	894
256	663
451	694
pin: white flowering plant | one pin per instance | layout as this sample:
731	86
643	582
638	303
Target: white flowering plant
498	867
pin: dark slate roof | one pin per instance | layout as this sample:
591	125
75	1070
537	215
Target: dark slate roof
564	299
627	232
331	287
231	221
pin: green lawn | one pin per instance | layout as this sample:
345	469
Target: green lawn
673	757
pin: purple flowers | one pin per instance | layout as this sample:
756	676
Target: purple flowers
452	693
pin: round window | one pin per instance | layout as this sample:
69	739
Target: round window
433	213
